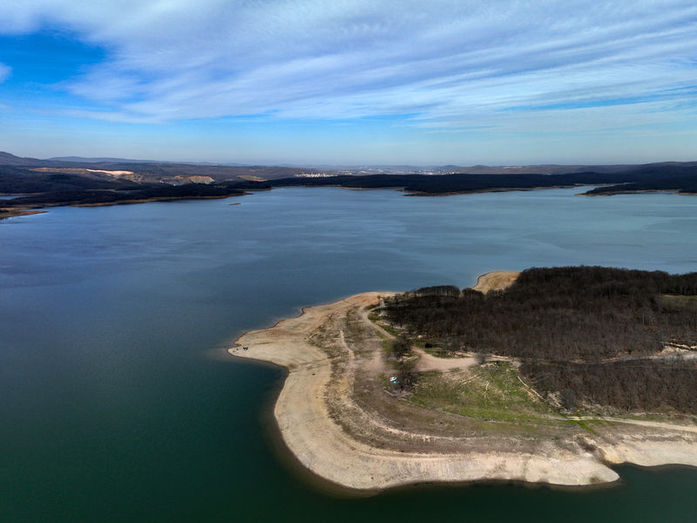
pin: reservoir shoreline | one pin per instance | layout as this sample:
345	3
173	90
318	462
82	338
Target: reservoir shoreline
345	465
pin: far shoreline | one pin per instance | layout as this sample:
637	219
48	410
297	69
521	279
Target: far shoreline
29	209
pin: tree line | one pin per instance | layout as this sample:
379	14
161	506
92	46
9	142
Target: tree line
566	313
568	324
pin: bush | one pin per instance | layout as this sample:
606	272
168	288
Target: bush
406	375
401	347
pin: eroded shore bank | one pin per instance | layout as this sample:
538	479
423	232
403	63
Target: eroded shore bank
337	417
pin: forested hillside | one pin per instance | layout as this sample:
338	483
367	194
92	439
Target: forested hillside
590	330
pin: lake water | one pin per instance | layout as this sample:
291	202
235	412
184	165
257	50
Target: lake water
117	404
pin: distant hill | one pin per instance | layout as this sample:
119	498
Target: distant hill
150	171
80	159
11	159
103	181
541	169
231	170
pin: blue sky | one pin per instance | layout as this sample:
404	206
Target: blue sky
351	81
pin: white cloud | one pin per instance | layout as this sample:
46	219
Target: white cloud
447	63
4	72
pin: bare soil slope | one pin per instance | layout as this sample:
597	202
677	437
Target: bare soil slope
495	281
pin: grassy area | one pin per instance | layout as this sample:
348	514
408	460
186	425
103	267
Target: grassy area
584	424
490	392
678	302
377	320
373	316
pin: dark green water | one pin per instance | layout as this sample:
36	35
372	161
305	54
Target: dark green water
116	405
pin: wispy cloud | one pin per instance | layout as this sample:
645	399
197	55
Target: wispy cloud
449	63
4	72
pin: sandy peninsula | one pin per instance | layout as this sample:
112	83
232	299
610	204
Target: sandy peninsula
338	416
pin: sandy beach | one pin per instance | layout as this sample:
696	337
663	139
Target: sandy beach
336	417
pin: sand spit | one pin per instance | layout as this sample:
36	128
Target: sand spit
495	281
336	418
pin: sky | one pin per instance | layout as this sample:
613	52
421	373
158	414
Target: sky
351	82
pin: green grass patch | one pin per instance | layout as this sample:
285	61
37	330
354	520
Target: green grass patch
386	326
584	424
440	352
490	392
678	302
377	320
387	346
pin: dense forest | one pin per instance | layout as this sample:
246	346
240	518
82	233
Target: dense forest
567	324
37	190
674	177
460	183
679	184
635	385
14	180
123	195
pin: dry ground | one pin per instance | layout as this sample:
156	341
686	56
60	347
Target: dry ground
341	417
495	281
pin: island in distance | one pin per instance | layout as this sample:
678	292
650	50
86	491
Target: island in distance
551	375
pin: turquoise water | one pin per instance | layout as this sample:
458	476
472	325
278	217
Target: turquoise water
117	404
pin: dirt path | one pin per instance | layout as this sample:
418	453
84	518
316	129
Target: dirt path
334	358
429	362
641	423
